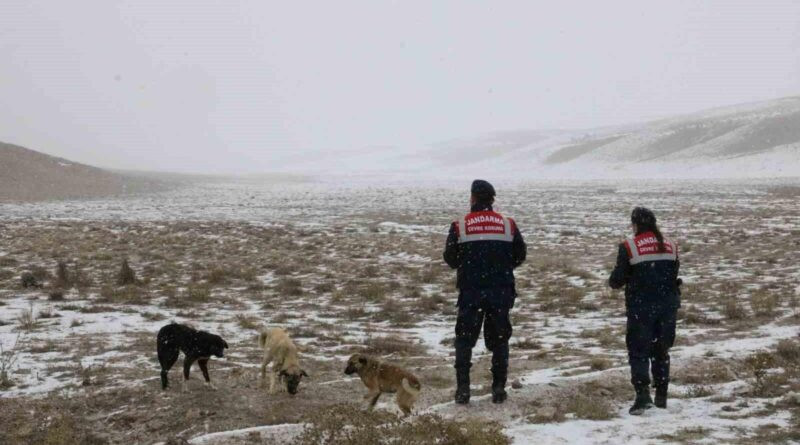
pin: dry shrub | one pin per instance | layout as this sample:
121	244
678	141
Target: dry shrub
224	275
606	337
40	273
373	291
785	191
764	384
789	351
129	294
764	302
349	425
126	275
559	295
394	313
733	310
704	372
324	287
27	280
526	344
687	435
193	294
289	287
7	261
590	407
599	363
27	319
692	315
389	345
55	423
582	405
7	275
248	322
62	276
430	274
8	360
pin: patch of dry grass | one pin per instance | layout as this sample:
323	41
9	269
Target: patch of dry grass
349	425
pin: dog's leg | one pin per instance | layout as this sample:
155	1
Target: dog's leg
405	401
204	367
264	364
272	377
167	357
187	364
372	397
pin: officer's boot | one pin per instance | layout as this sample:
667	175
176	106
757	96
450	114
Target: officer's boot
463	364
499	386
499	372
462	386
643	401
661	395
660	366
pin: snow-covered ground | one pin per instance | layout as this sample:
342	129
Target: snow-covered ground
348	267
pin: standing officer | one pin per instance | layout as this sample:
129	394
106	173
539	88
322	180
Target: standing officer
485	247
647	265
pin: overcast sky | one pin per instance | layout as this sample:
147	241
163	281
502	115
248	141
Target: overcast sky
224	86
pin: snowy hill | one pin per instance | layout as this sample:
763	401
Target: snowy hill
755	140
752	140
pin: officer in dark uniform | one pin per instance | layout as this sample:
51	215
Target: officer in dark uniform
485	247
647	266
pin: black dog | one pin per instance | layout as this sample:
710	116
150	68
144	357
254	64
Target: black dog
196	345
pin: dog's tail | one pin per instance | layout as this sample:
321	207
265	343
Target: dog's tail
411	390
262	339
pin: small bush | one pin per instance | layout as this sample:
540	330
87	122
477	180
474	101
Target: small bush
27	280
126	275
733	310
389	345
764	302
789	351
247	322
27	319
590	407
62	276
349	425
394	313
287	286
599	363
758	365
129	294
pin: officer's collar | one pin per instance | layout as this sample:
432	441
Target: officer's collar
481	207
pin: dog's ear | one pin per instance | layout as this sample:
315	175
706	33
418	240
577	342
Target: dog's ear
362	360
303	373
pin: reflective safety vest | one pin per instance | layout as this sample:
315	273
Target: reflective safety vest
644	247
485	226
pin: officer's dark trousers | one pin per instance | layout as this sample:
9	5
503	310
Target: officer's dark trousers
493	316
650	334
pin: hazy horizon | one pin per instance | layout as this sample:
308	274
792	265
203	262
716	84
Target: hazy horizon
247	87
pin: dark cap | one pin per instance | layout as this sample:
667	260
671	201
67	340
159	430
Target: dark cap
482	188
642	216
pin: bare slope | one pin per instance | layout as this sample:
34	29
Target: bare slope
27	175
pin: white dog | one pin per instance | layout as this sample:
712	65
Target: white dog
282	352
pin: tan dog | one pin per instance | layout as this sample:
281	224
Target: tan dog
282	352
380	377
